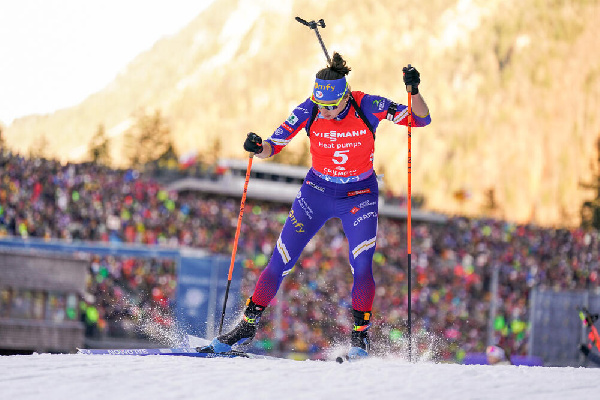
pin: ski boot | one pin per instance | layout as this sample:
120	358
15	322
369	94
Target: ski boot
360	344
242	334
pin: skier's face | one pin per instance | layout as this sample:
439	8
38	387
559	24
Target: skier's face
329	113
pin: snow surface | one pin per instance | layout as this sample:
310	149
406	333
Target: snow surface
78	376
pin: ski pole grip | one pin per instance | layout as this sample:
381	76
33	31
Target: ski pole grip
303	22
409	87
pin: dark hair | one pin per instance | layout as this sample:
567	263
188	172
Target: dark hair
337	69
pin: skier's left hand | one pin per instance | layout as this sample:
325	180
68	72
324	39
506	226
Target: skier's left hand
411	77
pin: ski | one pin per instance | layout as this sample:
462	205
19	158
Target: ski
191	352
177	351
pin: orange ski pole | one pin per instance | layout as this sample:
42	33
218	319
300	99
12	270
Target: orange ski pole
235	241
409	223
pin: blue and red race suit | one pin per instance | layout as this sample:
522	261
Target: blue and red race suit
341	184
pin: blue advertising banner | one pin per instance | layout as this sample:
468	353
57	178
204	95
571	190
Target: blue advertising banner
115	249
201	287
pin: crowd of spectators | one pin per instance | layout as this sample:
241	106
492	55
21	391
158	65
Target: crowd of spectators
129	297
453	262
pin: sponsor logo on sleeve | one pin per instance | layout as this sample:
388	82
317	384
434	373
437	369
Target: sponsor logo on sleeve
292	119
379	103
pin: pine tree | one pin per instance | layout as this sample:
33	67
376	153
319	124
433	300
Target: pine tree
590	210
99	148
148	139
38	149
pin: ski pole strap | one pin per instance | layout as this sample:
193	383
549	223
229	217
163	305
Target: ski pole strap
391	112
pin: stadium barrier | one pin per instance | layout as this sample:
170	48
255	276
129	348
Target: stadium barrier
201	278
39	292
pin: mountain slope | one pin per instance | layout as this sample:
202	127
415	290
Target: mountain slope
513	88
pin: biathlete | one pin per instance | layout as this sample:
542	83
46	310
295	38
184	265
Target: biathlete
588	320
341	125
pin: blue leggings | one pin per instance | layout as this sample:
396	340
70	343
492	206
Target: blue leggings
356	205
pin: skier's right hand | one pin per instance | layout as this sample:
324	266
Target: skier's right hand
253	143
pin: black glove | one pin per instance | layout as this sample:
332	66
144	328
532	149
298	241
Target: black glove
411	77
253	143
